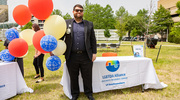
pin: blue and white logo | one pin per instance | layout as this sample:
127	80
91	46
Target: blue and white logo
112	65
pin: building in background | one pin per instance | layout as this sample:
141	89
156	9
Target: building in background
37	21
171	6
3	11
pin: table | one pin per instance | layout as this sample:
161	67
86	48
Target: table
11	80
111	73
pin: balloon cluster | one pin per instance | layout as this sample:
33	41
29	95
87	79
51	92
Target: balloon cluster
45	40
17	47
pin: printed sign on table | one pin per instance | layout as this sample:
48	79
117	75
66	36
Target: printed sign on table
138	51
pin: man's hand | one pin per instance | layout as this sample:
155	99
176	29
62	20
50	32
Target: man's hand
93	57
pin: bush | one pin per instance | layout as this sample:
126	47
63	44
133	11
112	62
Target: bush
107	33
174	35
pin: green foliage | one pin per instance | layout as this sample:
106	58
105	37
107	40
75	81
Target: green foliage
107	33
67	16
174	35
8	25
56	12
121	31
178	6
135	32
161	20
120	25
27	26
101	17
140	21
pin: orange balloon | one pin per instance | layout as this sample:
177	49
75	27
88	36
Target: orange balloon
41	9
21	14
18	47
36	40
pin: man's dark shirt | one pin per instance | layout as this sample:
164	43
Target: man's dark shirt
78	36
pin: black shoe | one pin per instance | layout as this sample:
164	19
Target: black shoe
90	97
40	80
36	76
74	98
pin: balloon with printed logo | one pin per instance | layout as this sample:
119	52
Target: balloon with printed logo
60	49
18	47
41	9
48	43
53	63
27	35
11	34
55	25
6	56
21	14
36	40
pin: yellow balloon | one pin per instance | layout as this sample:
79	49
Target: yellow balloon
55	25
60	49
27	35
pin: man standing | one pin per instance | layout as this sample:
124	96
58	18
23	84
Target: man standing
81	52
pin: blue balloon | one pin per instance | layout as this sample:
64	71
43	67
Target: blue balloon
11	34
6	56
53	63
48	43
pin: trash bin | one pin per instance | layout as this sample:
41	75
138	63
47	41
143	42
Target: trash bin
151	42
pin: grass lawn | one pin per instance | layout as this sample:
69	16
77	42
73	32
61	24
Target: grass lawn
167	69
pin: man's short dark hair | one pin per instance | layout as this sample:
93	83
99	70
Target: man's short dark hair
77	5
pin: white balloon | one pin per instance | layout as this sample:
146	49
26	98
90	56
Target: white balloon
60	49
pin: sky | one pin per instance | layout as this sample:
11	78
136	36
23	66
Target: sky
66	6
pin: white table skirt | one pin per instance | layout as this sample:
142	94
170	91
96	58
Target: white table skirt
11	81
132	71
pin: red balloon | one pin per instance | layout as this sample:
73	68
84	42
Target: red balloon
36	40
18	47
41	9
21	14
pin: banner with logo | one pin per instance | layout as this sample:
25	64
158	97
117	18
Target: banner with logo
112	75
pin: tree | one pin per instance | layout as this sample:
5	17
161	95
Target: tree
27	26
178	6
174	35
108	17
101	17
120	25
140	22
129	24
161	20
56	12
107	33
93	13
67	16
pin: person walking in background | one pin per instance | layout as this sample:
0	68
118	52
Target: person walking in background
38	59
18	60
81	52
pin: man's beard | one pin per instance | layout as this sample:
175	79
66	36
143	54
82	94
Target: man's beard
78	18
